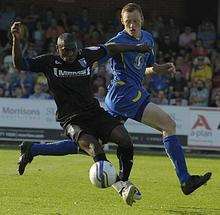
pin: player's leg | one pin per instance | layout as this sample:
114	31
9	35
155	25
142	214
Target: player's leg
154	116
92	147
29	150
86	141
111	129
125	150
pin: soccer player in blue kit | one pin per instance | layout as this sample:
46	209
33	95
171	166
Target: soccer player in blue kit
127	98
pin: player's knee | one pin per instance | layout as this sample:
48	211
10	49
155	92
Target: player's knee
170	126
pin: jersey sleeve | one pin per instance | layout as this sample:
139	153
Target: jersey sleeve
96	53
37	64
107	57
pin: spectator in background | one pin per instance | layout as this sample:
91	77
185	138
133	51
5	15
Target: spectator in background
95	38
159	26
17	91
51	48
64	21
26	81
48	18
117	20
202	69
84	20
199	95
199	49
207	34
173	31
31	19
187	38
38	93
54	30
183	66
160	98
74	29
178	99
30	52
38	36
178	84
167	46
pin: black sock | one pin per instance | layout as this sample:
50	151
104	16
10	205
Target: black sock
100	157
125	156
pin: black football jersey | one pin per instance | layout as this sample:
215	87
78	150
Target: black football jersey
69	83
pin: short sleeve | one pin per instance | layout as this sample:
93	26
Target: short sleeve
37	64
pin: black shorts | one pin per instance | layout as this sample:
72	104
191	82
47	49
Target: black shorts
99	125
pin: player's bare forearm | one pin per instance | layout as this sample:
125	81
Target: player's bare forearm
16	53
16	50
116	48
165	68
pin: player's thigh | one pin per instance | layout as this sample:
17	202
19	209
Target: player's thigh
120	136
104	125
85	137
157	118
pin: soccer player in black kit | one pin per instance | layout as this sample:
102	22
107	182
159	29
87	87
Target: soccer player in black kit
79	113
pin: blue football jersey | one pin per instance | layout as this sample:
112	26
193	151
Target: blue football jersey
131	66
126	97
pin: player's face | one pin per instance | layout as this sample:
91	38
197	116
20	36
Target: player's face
68	55
132	22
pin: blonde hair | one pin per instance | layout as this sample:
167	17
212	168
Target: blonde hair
130	7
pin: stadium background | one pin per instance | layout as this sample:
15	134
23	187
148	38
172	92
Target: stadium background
186	33
60	185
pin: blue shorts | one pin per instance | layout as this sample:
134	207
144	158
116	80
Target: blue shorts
126	100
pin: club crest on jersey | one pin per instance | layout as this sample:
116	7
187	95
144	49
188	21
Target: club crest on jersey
63	74
139	61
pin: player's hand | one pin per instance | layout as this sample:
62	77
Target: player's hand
16	30
164	68
143	47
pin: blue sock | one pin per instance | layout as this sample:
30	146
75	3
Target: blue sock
175	152
63	147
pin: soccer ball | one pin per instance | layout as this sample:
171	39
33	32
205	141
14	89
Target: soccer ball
102	174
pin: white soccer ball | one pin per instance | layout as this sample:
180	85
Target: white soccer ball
102	174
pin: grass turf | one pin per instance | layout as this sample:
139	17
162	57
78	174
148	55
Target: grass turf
60	185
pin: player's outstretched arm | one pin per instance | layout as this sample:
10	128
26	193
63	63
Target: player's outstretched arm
165	68
16	50
116	48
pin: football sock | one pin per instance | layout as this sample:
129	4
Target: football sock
63	147
175	152
125	156
100	157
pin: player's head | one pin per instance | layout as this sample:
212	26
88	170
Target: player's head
132	18
66	47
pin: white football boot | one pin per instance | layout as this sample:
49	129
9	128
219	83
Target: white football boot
127	191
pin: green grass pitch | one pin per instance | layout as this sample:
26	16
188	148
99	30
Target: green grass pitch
60	185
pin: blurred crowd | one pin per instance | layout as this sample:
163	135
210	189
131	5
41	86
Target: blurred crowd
195	50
